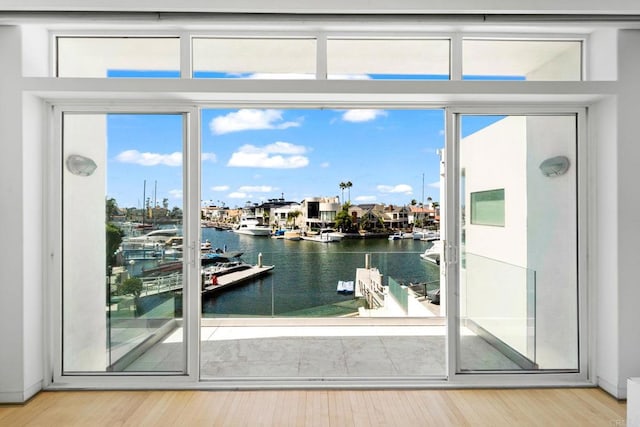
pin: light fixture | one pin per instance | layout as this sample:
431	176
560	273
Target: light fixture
555	166
80	165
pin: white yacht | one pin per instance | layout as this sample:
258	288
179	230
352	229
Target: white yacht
433	253
325	235
252	227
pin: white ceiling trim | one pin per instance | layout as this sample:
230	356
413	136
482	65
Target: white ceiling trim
580	7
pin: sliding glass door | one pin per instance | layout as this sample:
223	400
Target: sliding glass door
518	307
320	244
122	265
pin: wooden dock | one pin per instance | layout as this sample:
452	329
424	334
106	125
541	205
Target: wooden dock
173	282
235	278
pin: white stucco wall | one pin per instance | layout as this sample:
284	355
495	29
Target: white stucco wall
12	261
628	205
551	241
83	281
494	282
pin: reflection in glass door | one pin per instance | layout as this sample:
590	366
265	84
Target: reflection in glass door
122	247
518	283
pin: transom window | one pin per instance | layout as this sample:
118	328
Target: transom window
313	57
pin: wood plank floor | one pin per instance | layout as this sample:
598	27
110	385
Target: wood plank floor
492	407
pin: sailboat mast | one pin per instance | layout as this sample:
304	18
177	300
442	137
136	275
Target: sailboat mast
144	201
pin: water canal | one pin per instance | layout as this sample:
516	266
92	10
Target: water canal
306	273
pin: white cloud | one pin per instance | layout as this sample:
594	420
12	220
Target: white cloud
249	119
209	157
279	155
256	189
150	159
220	188
362	115
176	194
400	188
441	132
325	165
365	199
434	184
237	195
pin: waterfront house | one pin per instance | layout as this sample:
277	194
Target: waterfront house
276	211
396	217
320	212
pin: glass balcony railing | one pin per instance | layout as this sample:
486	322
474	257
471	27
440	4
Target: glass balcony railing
497	308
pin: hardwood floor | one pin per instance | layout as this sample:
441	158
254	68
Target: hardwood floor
492	407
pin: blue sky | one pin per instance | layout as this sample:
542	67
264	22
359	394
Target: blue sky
258	154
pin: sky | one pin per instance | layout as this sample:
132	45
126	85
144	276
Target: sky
252	155
259	154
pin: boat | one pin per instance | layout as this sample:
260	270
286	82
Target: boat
155	236
252	227
325	235
401	235
278	234
433	253
345	287
430	235
208	258
292	235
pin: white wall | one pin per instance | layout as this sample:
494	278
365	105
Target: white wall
34	63
494	158
603	251
551	239
84	258
12	253
628	162
493	288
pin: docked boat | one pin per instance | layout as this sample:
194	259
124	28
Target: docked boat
292	235
400	235
345	287
155	236
278	234
252	227
325	235
433	253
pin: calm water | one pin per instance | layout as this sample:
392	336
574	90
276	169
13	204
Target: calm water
306	273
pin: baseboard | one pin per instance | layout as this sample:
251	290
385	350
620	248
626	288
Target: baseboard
20	396
619	392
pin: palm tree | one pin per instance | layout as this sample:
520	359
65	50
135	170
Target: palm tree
348	185
342	186
292	216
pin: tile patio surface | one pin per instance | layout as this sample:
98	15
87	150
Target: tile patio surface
301	352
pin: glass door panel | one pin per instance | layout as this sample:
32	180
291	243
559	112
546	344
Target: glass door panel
518	303
122	226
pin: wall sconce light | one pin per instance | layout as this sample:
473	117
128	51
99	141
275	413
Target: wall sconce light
555	166
80	165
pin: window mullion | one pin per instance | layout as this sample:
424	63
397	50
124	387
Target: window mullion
456	56
186	53
321	57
